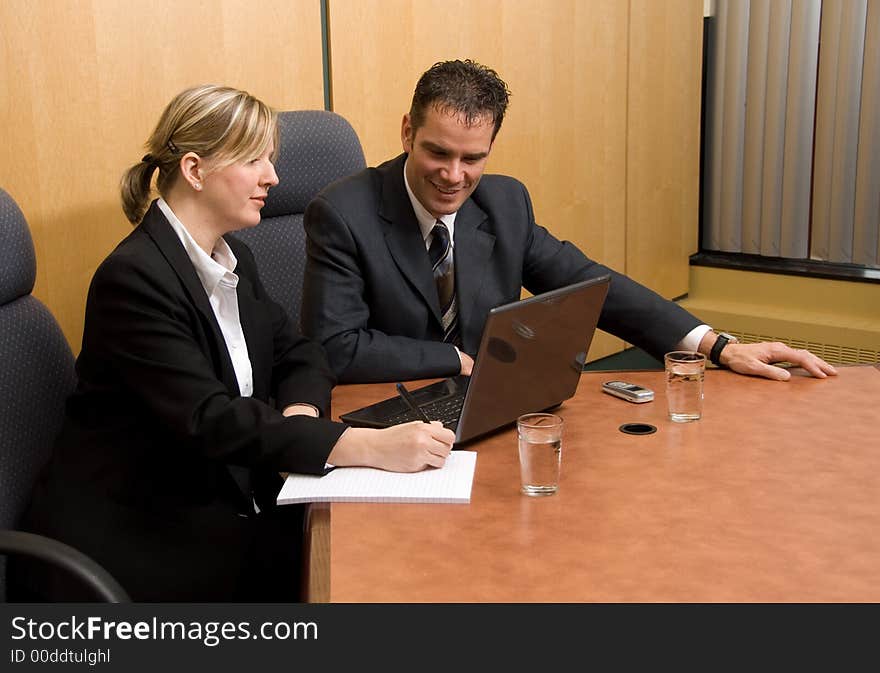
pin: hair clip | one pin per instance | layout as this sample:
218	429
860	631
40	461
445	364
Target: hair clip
172	146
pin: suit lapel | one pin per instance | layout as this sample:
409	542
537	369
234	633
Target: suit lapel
155	224
403	236
473	247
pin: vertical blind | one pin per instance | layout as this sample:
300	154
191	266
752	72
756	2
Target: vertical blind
792	130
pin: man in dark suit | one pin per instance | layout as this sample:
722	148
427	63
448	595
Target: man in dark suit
405	260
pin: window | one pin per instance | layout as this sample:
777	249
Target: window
791	163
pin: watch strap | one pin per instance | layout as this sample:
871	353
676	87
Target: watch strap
717	347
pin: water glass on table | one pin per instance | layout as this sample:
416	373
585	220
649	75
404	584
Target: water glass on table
685	371
540	452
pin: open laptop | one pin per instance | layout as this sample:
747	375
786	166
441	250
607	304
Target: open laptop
530	358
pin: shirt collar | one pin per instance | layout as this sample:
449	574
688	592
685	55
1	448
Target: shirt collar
426	220
211	268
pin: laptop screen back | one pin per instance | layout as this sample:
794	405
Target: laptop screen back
531	355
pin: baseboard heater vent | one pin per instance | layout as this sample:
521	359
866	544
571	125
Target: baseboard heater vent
833	353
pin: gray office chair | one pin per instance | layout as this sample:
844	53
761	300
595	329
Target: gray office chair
316	147
36	376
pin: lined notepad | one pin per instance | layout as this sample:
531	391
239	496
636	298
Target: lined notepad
449	484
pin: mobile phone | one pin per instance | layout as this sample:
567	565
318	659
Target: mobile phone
628	391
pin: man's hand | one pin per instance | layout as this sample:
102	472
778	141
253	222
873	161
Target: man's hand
467	364
757	360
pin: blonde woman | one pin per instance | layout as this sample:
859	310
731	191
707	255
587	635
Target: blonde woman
195	389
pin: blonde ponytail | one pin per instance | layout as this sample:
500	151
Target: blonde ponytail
135	188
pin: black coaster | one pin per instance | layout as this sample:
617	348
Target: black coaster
638	428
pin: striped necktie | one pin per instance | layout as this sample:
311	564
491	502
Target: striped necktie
440	254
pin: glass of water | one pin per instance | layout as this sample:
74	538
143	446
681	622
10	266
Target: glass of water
540	452
685	371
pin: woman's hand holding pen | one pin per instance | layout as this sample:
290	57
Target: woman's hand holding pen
409	447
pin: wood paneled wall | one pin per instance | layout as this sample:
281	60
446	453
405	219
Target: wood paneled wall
663	142
603	125
82	83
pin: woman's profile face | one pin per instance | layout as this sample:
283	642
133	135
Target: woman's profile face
236	194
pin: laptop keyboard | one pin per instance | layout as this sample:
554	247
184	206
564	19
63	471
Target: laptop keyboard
446	411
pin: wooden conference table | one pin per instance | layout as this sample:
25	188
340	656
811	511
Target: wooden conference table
773	496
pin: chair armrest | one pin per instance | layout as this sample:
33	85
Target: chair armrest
64	556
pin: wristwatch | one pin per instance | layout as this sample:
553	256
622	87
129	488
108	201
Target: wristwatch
723	339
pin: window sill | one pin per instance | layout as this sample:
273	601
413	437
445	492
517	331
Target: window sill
792	267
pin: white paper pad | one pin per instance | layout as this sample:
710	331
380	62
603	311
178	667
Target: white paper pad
449	484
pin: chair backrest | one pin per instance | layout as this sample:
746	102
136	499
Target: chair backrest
36	370
315	149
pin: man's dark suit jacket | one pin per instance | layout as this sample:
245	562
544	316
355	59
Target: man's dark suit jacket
158	453
369	294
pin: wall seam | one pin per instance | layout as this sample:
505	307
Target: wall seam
325	55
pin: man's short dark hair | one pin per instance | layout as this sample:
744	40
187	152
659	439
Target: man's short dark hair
462	87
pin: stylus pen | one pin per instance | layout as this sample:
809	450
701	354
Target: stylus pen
411	403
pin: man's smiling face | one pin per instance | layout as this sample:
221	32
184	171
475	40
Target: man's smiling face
446	158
